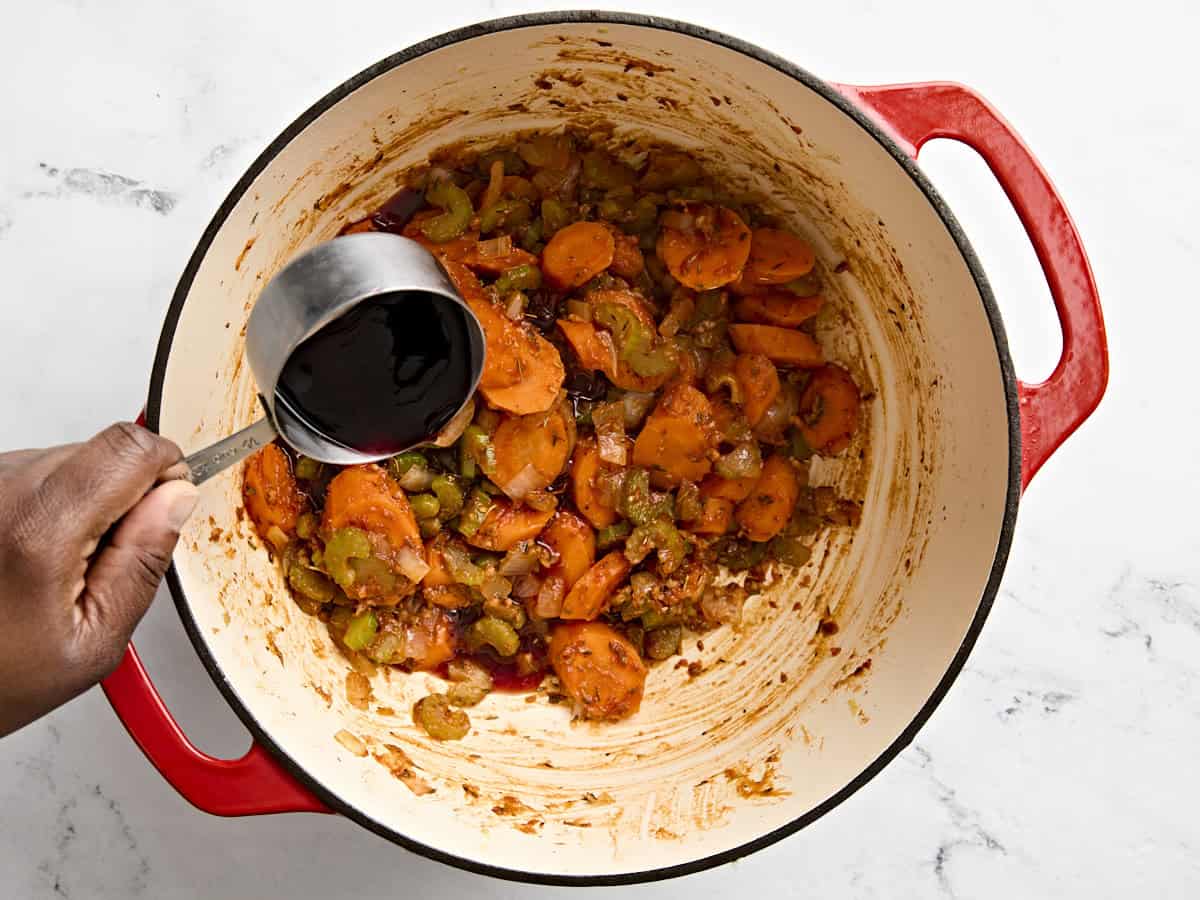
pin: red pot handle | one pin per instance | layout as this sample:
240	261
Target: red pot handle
252	785
913	114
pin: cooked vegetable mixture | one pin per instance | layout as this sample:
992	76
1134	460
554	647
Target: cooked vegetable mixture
652	396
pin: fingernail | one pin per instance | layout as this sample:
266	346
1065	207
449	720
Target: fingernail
182	504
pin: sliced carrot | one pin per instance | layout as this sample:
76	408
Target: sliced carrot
676	440
595	351
574	542
716	515
508	524
781	308
732	489
366	497
359	227
776	257
710	252
763	514
783	346
829	410
591	593
522	372
270	493
577	254
585	466
600	670
627	261
592	351
759	382
531	451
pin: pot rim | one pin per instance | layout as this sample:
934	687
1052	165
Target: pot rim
829	93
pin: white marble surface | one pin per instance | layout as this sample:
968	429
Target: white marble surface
1062	762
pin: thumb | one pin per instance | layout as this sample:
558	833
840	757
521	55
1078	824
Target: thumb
124	575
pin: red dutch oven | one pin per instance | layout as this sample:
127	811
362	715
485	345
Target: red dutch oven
778	728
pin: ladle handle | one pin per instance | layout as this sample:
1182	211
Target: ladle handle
204	464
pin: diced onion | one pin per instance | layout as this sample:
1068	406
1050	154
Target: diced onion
516	306
453	429
410	564
528	479
609	421
495	185
277	537
417	478
495	587
526	586
550	597
520	560
608	486
677	219
495	247
773	426
635	406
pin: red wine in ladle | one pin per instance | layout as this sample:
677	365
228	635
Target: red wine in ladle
385	376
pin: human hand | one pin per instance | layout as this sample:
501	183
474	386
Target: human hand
84	543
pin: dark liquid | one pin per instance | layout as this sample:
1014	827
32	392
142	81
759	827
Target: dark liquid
385	376
505	678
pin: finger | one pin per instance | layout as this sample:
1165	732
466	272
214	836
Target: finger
37	461
124	575
103	479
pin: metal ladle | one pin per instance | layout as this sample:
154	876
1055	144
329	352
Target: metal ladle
318	286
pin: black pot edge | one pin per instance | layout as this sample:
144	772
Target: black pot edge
1010	390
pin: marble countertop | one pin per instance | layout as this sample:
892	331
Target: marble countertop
1060	764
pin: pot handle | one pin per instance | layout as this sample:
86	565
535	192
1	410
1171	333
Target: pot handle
250	786
913	114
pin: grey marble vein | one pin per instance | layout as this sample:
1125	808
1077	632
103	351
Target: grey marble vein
104	186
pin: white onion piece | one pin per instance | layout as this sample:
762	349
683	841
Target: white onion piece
417	478
495	587
494	247
636	405
772	427
516	306
550	597
677	219
609	421
495	186
526	586
518	561
528	479
410	564
455	427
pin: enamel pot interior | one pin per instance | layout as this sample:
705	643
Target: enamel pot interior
782	720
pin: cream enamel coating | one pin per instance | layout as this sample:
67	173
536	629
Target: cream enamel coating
713	761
